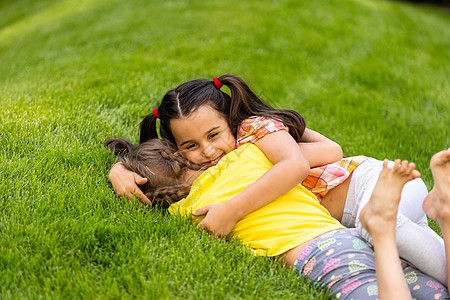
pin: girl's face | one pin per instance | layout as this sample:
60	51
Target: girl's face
204	137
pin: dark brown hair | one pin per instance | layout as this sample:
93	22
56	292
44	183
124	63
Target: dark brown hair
243	103
160	162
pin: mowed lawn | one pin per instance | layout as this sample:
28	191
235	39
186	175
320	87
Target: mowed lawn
371	75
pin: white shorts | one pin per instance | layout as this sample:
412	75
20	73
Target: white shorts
360	190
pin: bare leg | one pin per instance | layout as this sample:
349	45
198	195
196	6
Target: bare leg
378	217
437	203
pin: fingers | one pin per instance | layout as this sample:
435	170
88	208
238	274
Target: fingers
204	226
200	226
125	183
140	180
132	191
201	211
143	199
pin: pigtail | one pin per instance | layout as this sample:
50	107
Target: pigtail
294	121
148	128
118	146
245	103
170	194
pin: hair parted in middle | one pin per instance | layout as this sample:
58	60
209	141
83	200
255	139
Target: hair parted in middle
243	103
161	163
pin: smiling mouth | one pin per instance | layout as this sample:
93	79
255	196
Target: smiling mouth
215	161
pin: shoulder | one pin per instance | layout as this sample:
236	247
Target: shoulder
256	127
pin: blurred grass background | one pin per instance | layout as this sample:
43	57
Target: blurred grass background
372	75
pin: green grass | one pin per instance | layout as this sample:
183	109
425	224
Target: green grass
372	75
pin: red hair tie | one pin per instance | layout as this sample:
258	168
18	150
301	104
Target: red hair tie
217	83
155	112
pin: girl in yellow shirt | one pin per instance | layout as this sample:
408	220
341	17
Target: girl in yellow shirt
294	226
205	123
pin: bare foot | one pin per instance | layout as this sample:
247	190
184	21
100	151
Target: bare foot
381	210
437	203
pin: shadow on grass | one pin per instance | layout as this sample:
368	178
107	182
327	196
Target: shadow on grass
445	4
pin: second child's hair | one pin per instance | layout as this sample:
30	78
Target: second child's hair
243	103
161	163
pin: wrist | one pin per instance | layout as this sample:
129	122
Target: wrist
115	170
235	209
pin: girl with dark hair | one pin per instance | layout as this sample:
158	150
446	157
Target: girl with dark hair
206	123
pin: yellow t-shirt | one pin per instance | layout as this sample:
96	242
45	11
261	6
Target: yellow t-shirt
288	221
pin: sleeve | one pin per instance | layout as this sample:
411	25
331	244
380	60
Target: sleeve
322	179
255	128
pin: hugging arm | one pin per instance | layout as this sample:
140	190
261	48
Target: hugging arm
125	183
318	149
289	168
291	165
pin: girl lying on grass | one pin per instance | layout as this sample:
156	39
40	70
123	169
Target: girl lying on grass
293	227
205	123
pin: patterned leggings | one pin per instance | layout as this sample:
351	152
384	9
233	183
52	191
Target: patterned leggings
343	262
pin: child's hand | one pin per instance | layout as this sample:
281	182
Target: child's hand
125	183
219	220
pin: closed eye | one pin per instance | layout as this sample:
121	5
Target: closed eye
189	147
213	135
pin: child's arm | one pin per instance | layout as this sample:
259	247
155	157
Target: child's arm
125	183
289	168
318	149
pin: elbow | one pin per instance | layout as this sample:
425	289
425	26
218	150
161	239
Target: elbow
333	152
337	151
301	167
